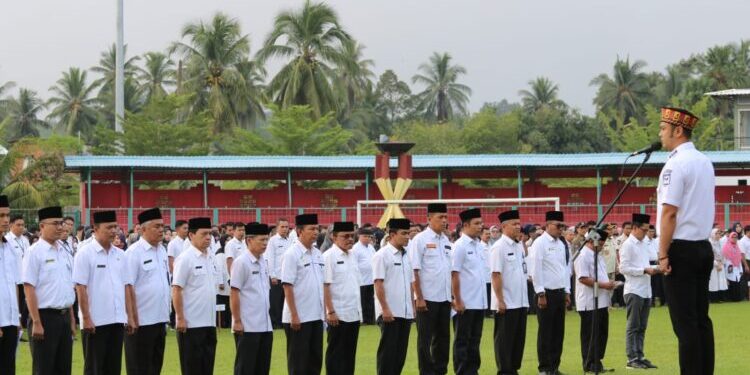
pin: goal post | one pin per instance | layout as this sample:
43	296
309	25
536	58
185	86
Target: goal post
371	211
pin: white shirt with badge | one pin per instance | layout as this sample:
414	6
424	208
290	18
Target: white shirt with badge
148	273
250	277
549	264
468	262
49	269
394	268
303	269
196	273
634	259
341	273
430	254
584	266
744	245
175	246
104	274
486	255
507	258
687	182
364	255
10	277
19	243
275	250
234	248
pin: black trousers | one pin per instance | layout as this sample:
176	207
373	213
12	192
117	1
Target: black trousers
510	340
54	354
489	311
687	295
593	360
304	348
197	347
532	297
144	351
8	344
617	295
467	329
22	307
657	287
394	342
276	297
551	332
433	338
102	350
342	348
253	353
367	296
226	315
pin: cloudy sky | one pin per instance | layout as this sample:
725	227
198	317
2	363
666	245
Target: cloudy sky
502	43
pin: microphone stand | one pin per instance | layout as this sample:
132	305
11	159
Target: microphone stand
593	236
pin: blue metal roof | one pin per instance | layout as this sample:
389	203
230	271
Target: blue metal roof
345	162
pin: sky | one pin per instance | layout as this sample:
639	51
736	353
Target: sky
503	44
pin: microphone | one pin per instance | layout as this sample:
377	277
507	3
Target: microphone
656	146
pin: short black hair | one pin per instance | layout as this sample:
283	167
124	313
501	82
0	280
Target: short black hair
627	223
279	220
747	228
15	218
66	218
180	223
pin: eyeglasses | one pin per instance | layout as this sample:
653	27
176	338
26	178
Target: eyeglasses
54	223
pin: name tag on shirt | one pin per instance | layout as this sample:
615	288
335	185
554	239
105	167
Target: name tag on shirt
469	252
431	246
447	247
101	266
396	264
198	267
256	272
340	262
307	264
147	261
551	250
49	261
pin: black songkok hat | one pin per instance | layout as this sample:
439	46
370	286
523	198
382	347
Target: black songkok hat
553	216
508	215
603	234
4	201
306	219
105	217
469	214
641	218
50	213
257	229
398	224
440	208
148	215
343	226
199	223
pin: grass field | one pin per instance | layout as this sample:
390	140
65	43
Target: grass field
661	346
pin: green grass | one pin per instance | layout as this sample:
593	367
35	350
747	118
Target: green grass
661	346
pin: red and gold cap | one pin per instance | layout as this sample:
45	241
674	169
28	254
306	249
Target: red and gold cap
679	117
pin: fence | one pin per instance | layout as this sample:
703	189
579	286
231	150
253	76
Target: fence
726	214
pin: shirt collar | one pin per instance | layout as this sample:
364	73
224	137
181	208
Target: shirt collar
685	146
197	252
395	250
147	245
100	248
635	239
435	234
253	259
548	237
508	240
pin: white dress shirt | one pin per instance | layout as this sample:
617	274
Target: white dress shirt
363	254
275	250
104	275
175	246
303	269
394	268
486	255
234	248
687	182
9	280
250	277
468	262
744	244
634	257
584	267
342	276
49	269
430	253
196	273
507	258
20	243
220	260
148	273
549	267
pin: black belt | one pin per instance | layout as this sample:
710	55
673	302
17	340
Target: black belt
687	242
55	311
554	290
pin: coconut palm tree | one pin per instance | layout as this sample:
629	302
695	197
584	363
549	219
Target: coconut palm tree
309	39
353	79
248	103
106	68
73	103
22	115
543	94
442	96
157	72
626	92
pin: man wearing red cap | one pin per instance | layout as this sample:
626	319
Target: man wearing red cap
685	215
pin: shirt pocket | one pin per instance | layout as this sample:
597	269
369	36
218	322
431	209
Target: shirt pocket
199	272
148	266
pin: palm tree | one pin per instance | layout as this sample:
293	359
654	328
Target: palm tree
106	68
158	71
626	92
543	94
23	115
74	103
247	103
213	53
353	79
310	38
442	96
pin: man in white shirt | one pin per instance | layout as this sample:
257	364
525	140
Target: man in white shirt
277	246
550	273
430	256
302	278
593	337
48	283
510	299
149	292
469	298
236	246
634	264
69	241
100	276
341	295
394	289
250	300
177	244
657	280
685	215
194	298
20	243
10	277
485	238
363	252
